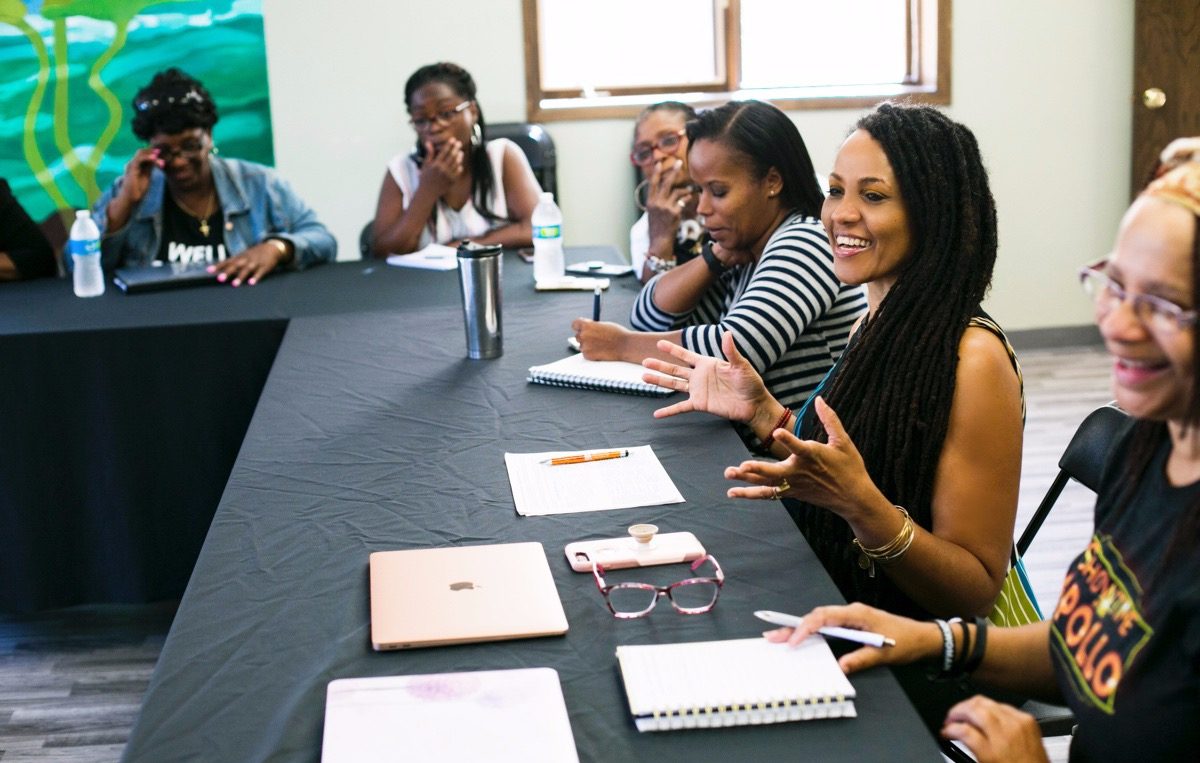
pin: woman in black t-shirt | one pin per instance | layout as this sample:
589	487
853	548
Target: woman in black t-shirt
1122	646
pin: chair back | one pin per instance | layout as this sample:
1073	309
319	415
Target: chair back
1087	453
538	147
1083	460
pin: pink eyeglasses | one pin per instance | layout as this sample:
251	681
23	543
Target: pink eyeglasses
690	596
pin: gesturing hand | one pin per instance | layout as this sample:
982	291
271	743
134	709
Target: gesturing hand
994	732
443	166
731	389
830	474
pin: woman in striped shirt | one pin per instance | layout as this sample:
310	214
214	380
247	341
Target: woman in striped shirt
766	276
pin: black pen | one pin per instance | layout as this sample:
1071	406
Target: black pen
596	304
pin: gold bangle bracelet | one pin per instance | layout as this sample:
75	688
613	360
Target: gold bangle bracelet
890	551
281	246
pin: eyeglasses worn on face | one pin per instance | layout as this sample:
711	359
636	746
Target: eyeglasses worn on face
643	152
1155	313
188	150
690	596
421	124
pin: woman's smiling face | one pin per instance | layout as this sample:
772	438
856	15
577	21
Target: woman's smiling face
864	215
1153	361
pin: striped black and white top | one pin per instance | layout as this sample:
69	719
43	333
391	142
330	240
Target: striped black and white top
789	314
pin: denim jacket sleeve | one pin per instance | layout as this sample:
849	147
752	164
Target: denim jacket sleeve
293	220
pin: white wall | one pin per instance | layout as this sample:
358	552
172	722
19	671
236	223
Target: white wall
1045	86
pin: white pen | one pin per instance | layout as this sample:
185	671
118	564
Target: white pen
832	631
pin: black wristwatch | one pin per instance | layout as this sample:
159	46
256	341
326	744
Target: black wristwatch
715	266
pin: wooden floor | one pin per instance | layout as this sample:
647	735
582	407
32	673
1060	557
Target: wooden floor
71	681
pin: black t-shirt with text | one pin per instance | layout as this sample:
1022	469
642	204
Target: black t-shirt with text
1125	635
183	240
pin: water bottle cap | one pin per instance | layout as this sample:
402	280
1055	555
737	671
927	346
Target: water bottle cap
83	214
547	196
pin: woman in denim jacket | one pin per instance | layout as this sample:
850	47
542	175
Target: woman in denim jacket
179	203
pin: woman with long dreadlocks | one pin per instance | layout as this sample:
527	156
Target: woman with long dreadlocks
908	493
1122	646
455	184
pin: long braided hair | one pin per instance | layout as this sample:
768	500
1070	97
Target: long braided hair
894	387
483	181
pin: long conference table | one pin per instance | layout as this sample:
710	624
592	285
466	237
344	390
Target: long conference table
373	431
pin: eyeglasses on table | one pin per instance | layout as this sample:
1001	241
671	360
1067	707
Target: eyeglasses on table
690	596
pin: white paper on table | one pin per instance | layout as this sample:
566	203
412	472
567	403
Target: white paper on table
432	257
616	483
498	715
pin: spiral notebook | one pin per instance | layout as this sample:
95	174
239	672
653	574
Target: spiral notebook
710	684
577	372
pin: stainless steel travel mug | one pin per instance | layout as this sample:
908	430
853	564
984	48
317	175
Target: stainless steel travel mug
479	272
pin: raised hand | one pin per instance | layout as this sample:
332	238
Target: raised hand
830	474
443	166
138	171
731	388
667	198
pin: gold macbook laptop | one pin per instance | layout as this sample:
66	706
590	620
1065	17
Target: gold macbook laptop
461	595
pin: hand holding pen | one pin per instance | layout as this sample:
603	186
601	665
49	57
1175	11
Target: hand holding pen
911	640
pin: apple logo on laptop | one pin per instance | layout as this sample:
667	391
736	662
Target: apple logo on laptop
464	585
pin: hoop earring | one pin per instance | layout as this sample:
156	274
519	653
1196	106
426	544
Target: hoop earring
476	135
638	193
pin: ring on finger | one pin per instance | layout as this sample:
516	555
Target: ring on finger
683	203
780	489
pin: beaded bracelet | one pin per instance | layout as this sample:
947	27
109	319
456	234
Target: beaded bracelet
783	420
947	646
888	552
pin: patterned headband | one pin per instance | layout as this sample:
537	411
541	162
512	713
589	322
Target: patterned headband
1178	178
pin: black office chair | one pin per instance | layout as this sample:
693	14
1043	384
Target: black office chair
538	147
1083	461
364	240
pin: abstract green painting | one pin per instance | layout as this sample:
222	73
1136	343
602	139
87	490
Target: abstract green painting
69	69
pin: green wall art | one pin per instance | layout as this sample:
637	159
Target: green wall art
69	70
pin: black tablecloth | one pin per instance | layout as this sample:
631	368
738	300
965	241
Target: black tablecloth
375	432
121	415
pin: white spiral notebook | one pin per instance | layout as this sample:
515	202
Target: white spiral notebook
710	684
577	372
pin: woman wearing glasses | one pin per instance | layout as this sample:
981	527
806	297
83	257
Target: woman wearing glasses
1122	647
668	233
180	203
767	282
456	184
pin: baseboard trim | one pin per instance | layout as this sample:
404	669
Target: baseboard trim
1056	336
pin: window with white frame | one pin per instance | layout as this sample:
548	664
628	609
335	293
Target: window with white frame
610	59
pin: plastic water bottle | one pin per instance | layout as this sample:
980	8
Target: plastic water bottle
547	240
85	255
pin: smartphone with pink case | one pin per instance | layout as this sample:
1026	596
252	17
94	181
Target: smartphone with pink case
619	553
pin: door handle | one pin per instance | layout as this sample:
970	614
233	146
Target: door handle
1154	98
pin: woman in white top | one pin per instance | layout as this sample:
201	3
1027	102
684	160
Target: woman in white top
668	233
456	184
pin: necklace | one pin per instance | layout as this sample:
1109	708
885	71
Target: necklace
208	211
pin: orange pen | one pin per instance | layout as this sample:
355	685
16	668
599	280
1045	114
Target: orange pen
583	458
